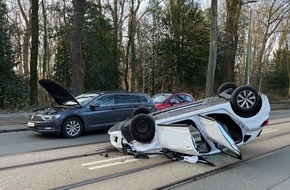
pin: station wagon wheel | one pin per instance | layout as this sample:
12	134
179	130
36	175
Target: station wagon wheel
140	110
72	127
245	99
229	87
142	128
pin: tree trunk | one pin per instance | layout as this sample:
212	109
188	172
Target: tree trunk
26	39
116	49
76	47
45	42
34	53
288	66
288	72
212	51
231	40
133	50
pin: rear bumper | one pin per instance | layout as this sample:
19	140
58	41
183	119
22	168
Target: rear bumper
116	135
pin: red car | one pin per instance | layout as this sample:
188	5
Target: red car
166	100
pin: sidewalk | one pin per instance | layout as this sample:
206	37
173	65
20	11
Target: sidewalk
12	122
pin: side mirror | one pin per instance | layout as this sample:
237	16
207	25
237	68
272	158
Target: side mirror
94	105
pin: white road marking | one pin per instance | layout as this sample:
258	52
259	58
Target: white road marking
107	160
112	164
115	161
269	130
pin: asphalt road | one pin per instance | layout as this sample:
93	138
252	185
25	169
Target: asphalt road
268	172
26	141
278	114
30	160
97	166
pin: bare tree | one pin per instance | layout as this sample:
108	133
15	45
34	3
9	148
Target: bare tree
269	16
76	47
284	44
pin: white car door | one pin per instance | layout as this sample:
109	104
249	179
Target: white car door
214	131
177	138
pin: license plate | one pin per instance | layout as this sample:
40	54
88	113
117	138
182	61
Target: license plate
30	124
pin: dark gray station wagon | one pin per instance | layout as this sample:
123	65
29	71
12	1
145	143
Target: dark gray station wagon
86	112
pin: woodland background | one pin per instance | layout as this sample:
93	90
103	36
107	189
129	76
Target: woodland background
141	45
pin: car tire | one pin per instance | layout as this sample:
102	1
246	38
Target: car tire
72	127
140	110
245	101
228	86
142	128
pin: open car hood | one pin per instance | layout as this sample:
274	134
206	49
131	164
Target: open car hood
58	92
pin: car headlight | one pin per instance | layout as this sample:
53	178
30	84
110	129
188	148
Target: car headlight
50	117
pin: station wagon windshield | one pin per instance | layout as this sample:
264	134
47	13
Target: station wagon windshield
85	99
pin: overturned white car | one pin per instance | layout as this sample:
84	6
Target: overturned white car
208	126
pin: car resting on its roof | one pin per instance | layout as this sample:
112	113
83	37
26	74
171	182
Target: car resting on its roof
217	124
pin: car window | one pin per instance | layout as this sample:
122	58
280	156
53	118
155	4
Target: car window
160	98
142	99
175	100
130	99
106	100
188	98
180	98
124	99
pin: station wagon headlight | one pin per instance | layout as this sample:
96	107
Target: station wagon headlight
50	117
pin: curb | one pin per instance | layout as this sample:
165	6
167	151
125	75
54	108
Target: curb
12	130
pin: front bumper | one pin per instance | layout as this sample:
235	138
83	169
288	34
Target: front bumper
44	126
